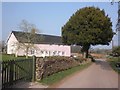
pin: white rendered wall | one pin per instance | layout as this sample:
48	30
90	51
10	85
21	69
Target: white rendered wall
42	50
11	44
53	50
39	50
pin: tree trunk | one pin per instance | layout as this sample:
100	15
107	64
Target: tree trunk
26	52
26	55
16	54
85	49
85	54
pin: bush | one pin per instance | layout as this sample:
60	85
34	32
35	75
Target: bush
116	51
91	57
113	62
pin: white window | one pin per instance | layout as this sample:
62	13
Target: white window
46	52
42	52
54	53
63	53
59	53
49	53
32	52
12	51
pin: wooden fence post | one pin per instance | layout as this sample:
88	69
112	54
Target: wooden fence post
34	69
11	71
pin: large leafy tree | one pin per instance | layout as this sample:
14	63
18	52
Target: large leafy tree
88	26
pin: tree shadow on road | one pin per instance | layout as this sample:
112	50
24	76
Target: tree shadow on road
29	85
104	64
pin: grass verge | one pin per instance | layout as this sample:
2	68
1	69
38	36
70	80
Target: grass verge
112	61
60	75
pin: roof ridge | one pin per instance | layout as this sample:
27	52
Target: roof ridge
38	34
48	39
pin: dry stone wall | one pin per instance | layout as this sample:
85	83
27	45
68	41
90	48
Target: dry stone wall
49	66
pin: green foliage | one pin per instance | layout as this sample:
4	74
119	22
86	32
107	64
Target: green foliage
113	61
88	26
116	50
6	57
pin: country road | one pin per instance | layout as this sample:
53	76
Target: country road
98	75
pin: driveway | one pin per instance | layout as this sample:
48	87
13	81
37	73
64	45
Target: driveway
98	75
29	85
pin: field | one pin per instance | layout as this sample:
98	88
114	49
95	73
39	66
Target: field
5	57
94	55
97	56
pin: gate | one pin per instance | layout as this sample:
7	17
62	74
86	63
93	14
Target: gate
14	71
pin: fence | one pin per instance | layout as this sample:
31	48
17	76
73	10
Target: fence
16	70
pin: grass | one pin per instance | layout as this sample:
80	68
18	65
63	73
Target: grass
60	75
113	61
5	57
52	78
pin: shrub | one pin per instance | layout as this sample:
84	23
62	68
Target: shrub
116	51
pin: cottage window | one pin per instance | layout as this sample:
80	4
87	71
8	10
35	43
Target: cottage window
63	53
12	51
32	52
59	52
41	51
49	53
54	53
46	52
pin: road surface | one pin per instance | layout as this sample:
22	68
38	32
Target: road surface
98	75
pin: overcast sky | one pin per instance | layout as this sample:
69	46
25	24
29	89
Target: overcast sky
48	17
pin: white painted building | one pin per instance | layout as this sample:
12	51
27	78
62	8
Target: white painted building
48	46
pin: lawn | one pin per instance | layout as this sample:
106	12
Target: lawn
113	61
5	57
60	75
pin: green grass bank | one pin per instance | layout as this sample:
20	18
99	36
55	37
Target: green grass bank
49	80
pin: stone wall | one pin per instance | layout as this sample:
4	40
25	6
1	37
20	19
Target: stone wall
51	65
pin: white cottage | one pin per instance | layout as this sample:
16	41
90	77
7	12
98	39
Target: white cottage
44	45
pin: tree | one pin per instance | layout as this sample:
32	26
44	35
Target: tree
2	47
29	32
88	26
18	46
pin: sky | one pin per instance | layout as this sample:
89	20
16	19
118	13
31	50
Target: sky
49	17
